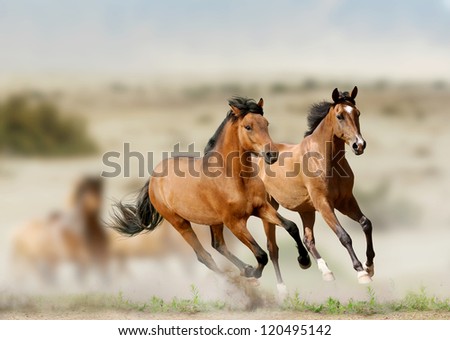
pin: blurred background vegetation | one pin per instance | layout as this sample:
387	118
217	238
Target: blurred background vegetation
32	126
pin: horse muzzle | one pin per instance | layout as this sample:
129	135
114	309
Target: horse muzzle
270	157
359	145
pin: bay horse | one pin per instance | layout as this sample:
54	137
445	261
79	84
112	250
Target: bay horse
314	175
75	235
219	188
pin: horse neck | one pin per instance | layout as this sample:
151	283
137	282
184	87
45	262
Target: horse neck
90	220
329	145
236	161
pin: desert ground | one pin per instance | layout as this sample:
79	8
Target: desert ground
402	183
266	314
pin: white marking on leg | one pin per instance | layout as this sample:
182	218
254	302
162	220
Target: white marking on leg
327	274
282	292
363	277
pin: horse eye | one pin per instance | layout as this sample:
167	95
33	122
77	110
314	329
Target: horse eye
248	127
340	117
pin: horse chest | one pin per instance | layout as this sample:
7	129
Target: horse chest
333	188
248	199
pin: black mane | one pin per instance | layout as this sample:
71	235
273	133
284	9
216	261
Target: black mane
316	114
213	140
245	105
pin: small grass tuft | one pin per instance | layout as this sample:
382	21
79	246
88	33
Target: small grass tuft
413	301
157	305
420	301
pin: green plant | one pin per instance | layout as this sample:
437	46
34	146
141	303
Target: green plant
157	305
420	301
334	306
413	301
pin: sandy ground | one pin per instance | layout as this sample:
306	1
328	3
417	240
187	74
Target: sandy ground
233	315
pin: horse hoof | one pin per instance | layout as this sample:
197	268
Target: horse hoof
328	276
249	271
282	292
369	269
304	262
257	274
363	277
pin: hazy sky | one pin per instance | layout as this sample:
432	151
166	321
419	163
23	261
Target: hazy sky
375	39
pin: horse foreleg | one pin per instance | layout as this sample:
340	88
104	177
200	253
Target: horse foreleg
308	219
330	218
218	243
268	214
352	210
239	229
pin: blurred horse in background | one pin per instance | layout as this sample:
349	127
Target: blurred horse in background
75	235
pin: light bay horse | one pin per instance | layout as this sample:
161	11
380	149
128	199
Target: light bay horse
314	175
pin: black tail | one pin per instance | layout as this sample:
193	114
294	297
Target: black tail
132	219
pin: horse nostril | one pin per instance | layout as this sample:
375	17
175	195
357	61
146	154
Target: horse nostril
272	155
355	146
364	145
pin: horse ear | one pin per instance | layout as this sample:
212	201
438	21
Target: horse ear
354	92
235	111
261	103
335	95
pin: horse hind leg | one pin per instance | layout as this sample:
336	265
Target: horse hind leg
185	229
366	225
218	243
308	219
272	247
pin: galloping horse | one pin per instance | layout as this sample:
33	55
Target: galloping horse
315	176
219	188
